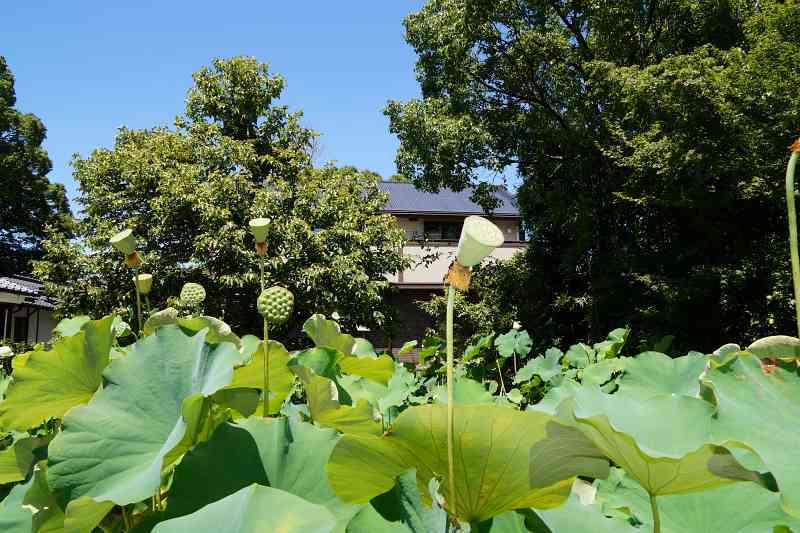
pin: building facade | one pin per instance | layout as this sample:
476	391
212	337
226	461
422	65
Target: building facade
26	316
432	222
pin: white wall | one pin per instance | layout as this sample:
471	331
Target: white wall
444	251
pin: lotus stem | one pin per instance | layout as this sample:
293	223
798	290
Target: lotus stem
790	204
266	368
138	298
450	400
125	519
656	517
500	374
261	264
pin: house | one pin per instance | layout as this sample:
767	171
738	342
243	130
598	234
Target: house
432	222
26	316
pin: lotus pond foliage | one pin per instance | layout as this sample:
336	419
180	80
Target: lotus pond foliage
178	423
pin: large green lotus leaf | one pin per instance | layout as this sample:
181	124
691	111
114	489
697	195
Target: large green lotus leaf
15	517
294	455
254	509
546	367
51	382
326	333
379	369
574	516
218	331
226	463
68	327
465	392
84	514
164	317
652	373
602	371
323	403
31	507
363	348
612	346
556	396
251	375
400	509
513	343
580	355
16	460
661	441
492	467
776	347
760	409
739	508
113	449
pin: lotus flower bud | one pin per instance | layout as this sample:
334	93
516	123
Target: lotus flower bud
259	228
193	294
124	241
275	304
143	282
479	238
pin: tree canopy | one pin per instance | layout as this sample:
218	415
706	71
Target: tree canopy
649	138
30	201
187	192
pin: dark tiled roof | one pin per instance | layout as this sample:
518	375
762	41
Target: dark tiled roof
27	287
405	198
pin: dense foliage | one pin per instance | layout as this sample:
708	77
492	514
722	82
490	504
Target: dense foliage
187	192
30	201
649	139
167	434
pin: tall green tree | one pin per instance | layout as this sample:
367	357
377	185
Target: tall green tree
28	201
650	139
188	192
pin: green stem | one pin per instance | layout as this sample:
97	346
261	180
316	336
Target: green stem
790	204
125	519
656	517
266	368
261	264
450	400
138	299
500	374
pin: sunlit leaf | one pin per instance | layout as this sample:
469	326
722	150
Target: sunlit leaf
140	410
760	409
254	509
492	468
49	383
513	343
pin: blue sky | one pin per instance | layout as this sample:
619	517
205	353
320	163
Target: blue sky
86	68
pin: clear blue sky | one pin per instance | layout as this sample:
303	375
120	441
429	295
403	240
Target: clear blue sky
86	68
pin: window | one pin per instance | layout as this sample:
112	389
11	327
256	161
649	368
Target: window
20	329
442	230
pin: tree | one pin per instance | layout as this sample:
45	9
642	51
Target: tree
30	201
189	191
649	138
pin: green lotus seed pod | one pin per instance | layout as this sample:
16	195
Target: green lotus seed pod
275	304
143	282
259	228
478	238
124	241
193	294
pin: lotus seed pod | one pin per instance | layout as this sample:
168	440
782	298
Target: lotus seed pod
259	228
124	241
478	238
193	294
143	282
275	304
